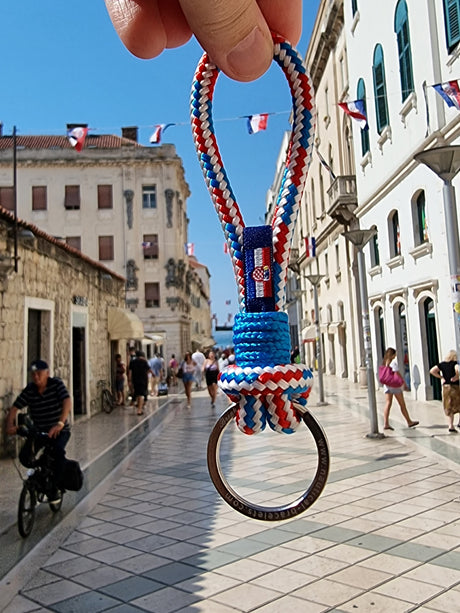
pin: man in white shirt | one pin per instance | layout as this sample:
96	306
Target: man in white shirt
199	359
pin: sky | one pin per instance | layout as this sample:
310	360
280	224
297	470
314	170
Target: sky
62	62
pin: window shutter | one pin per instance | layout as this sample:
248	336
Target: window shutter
39	198
152	295
151	248
104	197
74	241
106	248
7	198
452	21
72	197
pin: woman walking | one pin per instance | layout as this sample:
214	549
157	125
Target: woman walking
389	359
211	371
188	367
449	373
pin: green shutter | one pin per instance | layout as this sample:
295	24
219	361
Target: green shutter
452	20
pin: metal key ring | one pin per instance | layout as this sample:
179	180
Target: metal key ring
255	511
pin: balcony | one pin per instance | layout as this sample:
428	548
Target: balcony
343	199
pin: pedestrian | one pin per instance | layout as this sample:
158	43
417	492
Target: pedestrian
49	405
211	371
449	373
295	355
132	357
199	359
235	33
156	366
188	367
172	370
139	376
389	359
120	370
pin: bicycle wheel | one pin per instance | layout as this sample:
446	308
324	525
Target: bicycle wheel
26	510
107	401
56	506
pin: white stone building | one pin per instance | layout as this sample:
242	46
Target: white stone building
397	51
122	204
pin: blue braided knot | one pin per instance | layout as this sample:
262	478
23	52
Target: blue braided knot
264	383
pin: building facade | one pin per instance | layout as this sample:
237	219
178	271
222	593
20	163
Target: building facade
397	52
122	204
58	305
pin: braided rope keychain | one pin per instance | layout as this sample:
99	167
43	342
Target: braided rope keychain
263	385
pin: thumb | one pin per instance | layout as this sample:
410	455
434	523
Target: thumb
234	34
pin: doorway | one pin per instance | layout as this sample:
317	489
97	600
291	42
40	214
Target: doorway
78	370
432	345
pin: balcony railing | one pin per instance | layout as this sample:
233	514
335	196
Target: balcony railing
343	199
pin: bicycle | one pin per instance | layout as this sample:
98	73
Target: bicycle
107	398
40	482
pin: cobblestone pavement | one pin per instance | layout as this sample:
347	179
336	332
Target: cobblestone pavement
383	536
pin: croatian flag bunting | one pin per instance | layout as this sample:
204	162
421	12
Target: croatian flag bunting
190	248
450	92
77	137
310	246
356	110
256	123
155	139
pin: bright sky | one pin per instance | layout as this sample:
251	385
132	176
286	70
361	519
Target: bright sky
62	62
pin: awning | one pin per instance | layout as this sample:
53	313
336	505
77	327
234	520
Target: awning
203	342
124	324
309	334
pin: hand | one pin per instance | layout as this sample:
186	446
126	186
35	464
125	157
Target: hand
235	33
55	431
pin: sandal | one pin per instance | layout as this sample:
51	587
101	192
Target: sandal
140	412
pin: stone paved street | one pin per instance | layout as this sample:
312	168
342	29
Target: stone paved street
384	535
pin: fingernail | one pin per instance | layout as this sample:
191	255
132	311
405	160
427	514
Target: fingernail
252	56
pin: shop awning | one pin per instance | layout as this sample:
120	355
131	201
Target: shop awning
124	324
153	337
309	334
334	327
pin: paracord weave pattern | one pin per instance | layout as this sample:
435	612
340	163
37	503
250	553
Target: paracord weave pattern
264	391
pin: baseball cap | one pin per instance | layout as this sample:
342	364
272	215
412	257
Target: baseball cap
39	365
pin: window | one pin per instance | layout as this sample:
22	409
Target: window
421	227
39	198
104	197
374	249
152	295
354	7
149	197
361	95
395	241
106	248
74	241
452	22
7	198
150	246
72	197
380	90
404	50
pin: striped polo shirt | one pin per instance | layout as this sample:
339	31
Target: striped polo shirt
45	409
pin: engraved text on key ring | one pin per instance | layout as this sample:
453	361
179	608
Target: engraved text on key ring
257	511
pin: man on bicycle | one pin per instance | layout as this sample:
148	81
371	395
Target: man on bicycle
49	407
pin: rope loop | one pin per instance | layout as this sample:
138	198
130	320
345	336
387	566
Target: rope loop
264	383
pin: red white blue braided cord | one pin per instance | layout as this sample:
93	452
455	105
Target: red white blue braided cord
298	158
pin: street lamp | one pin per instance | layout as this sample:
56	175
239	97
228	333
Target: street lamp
445	162
359	238
315	280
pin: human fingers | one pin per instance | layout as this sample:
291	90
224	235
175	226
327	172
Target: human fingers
147	27
284	18
234	33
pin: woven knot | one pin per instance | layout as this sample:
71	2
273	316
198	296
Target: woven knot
261	339
266	394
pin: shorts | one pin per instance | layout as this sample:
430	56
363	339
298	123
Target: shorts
188	376
140	389
120	385
211	377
